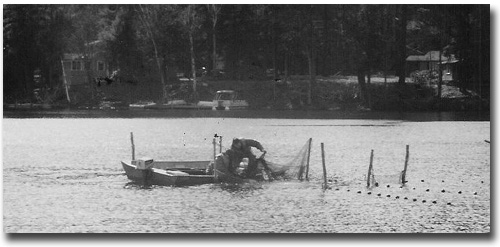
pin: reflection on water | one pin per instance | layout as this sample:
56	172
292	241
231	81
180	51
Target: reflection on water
64	175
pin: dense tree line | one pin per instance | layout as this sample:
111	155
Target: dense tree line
254	41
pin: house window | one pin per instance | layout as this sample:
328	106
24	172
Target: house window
100	65
87	65
76	65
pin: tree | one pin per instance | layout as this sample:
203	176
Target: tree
214	10
33	45
126	57
301	31
82	39
364	39
191	22
147	15
402	44
469	31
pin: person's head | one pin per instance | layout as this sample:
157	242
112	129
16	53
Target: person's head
236	143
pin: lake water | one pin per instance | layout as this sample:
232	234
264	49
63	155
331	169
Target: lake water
62	173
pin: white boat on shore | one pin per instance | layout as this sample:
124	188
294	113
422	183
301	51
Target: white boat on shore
141	104
228	100
181	104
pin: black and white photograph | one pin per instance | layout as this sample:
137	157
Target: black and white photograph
249	118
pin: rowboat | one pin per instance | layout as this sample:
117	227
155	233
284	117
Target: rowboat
185	173
147	171
168	173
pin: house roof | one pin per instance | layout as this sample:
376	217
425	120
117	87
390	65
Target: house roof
72	56
78	56
431	56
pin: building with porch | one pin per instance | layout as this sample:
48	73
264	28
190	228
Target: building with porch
431	61
84	69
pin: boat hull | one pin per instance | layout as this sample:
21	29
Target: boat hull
175	177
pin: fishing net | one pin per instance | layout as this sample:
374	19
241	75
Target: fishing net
296	168
375	179
387	178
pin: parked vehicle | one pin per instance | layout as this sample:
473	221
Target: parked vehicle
228	100
112	104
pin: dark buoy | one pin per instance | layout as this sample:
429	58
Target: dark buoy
376	184
449	203
397	197
388	186
460	192
424	201
348	190
442	181
359	191
414	200
413	188
422	180
379	194
369	192
388	195
434	202
427	190
406	198
337	189
475	193
482	182
443	190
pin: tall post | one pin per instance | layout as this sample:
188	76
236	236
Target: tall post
215	166
370	168
215	159
403	177
324	166
308	158
215	147
220	144
133	146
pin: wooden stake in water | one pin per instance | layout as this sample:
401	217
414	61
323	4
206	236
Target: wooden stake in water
133	146
308	156
370	168
403	177
215	151
324	166
220	144
215	147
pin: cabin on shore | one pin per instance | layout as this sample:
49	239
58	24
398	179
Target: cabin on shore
431	61
82	69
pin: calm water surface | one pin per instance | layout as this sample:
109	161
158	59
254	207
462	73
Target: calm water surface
62	174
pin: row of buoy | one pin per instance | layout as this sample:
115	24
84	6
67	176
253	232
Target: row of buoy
405	198
427	190
388	186
442	181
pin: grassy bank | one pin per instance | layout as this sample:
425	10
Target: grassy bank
342	93
330	93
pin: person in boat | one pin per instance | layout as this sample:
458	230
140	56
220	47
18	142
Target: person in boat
242	148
